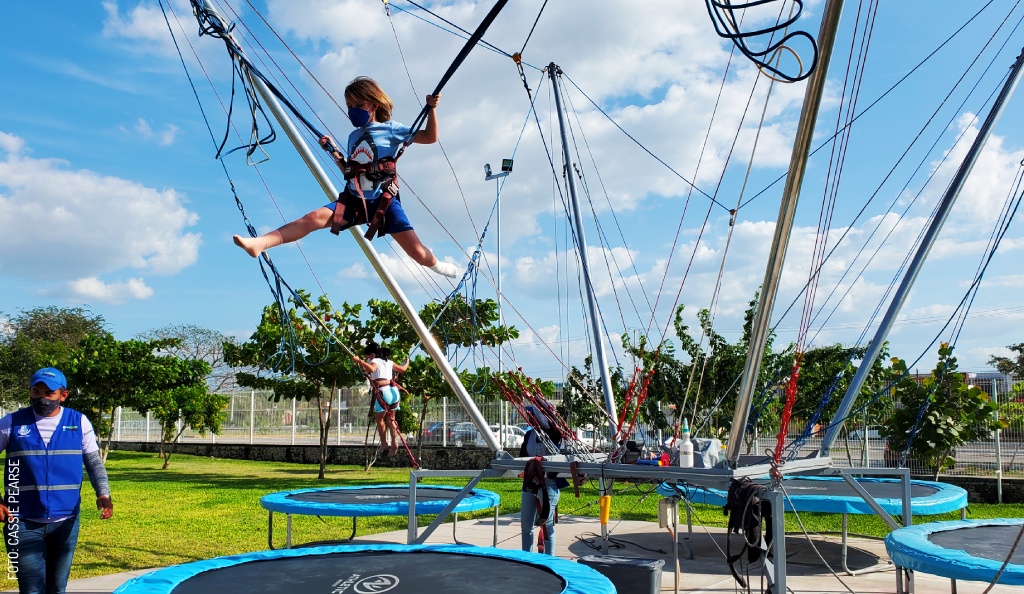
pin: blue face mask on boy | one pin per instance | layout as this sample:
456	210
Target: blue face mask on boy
358	116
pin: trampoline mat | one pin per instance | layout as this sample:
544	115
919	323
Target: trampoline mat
377	571
983	542
839	488
364	495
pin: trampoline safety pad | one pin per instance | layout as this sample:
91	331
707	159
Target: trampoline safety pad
376	569
964	549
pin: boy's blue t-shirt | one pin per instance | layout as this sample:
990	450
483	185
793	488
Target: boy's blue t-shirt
374	141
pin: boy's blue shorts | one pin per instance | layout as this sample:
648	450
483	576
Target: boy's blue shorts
395	220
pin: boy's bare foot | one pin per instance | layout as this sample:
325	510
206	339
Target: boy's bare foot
393	451
249	244
445	269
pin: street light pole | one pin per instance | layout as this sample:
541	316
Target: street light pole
506	168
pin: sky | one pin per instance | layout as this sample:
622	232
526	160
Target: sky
111	198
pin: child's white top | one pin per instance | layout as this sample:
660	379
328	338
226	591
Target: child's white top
384	370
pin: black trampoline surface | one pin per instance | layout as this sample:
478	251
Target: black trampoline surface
985	542
410	573
365	495
374	569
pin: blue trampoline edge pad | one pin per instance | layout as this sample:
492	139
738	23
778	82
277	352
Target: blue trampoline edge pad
629	575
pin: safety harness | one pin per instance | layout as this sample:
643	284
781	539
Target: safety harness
747	507
383	173
533	482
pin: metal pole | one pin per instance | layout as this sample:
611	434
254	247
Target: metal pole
252	415
999	448
339	416
293	419
118	432
941	212
595	319
787	210
426	339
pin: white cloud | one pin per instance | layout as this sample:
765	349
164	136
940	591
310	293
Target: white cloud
164	137
58	223
354	271
11	143
92	289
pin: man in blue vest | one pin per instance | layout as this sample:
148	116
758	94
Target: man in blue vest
47	445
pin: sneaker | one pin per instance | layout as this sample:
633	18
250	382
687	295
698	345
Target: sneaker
446	269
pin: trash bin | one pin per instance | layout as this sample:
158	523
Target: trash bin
629	575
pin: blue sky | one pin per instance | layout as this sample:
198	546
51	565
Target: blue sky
110	197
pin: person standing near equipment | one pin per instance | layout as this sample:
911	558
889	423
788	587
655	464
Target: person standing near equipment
47	445
539	499
381	368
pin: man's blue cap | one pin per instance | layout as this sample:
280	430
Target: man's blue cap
51	376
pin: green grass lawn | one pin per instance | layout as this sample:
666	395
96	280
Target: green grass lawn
203	507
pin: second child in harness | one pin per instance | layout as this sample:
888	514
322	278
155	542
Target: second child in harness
377	363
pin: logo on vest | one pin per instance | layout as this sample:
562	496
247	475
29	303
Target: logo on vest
24	430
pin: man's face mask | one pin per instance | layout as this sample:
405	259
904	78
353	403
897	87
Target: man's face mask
358	116
44	406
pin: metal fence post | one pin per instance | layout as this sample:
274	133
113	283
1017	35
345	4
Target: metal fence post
999	449
252	414
147	426
293	421
338	406
118	425
444	421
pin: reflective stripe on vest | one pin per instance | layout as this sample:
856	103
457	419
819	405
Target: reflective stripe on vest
44	480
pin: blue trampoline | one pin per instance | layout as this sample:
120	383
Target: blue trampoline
833	495
372	500
396	569
972	550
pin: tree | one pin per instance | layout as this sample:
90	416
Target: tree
189	406
454	325
713	373
1013	367
199	344
40	337
106	373
937	414
307	342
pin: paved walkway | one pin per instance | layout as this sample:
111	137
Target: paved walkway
706	573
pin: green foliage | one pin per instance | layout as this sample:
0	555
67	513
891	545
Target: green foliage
106	373
818	376
191	405
1015	366
583	398
40	337
955	413
317	365
199	344
713	371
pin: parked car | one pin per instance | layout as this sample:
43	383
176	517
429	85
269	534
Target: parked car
509	436
433	433
595	440
462	433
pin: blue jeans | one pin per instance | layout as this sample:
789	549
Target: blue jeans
42	554
528	513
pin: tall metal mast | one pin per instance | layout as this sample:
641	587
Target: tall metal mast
595	320
875	346
783	228
429	344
